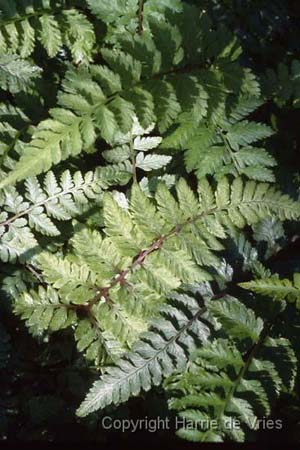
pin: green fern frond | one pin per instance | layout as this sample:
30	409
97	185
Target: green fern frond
236	320
102	331
189	228
13	122
23	26
100	101
43	310
142	259
164	348
98	345
225	383
133	145
282	84
74	127
74	282
16	74
137	260
61	201
223	146
117	13
242	255
276	288
243	107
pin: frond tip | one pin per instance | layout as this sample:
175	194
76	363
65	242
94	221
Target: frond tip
276	288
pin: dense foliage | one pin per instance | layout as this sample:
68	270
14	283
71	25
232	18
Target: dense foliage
149	194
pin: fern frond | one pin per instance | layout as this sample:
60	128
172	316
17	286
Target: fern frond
141	258
98	345
136	257
224	382
109	11
74	282
41	204
242	255
236	320
163	348
120	12
244	106
283	84
133	146
98	254
13	121
74	127
125	260
271	232
23	27
276	288
43	310
221	145
100	101
16	74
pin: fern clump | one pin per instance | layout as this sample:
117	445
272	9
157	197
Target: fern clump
150	250
148	217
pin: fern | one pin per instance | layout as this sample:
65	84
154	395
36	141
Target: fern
13	123
276	288
100	101
173	226
124	267
230	379
243	256
164	348
59	201
16	74
55	140
42	310
149	251
122	16
270	233
221	147
133	146
25	25
283	84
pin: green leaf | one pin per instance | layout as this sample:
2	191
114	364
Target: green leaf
16	74
50	35
276	288
158	352
236	319
151	162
